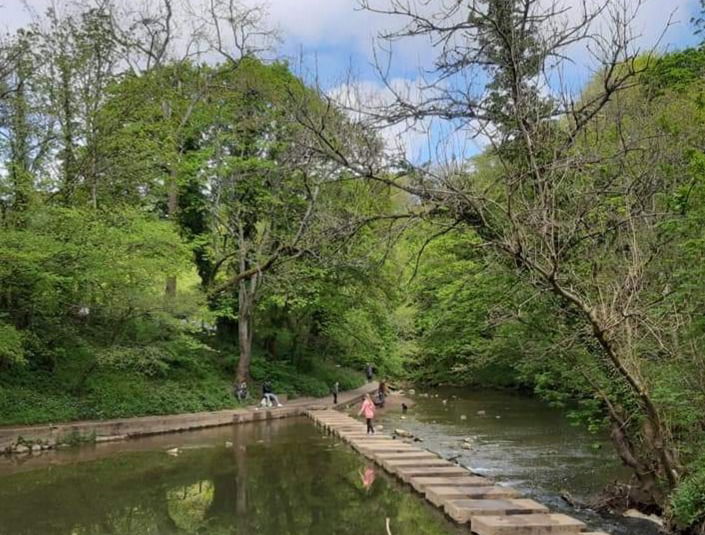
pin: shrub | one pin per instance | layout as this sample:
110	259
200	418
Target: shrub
688	500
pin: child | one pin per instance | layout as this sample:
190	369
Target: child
368	411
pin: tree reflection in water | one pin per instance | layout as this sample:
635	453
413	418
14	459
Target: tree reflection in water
279	477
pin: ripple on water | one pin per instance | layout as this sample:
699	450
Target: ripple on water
531	447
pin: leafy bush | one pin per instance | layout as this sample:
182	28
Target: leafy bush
33	397
316	381
11	348
688	501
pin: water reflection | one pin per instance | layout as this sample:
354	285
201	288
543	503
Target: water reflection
273	478
368	477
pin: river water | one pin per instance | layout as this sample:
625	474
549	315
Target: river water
274	478
285	477
522	442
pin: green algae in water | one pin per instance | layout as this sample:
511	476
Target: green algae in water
276	478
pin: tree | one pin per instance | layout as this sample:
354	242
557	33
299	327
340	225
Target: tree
265	192
575	211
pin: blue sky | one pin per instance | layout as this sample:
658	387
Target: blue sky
336	39
335	34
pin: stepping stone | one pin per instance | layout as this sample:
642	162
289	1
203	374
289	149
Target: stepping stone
341	423
420	483
382	446
462	511
393	464
531	524
360	435
407	472
439	495
407	455
360	429
372	451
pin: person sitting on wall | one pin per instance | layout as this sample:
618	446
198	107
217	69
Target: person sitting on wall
269	396
241	392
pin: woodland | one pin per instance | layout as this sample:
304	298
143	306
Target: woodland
181	211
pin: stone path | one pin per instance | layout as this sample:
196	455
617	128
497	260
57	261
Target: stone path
486	508
36	438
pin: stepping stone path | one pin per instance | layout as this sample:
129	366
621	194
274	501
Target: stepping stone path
467	498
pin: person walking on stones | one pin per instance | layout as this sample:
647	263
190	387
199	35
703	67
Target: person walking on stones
369	371
335	390
268	395
382	393
368	411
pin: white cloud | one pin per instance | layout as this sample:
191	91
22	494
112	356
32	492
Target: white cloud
418	141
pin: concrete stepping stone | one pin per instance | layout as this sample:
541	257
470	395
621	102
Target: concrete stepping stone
407	472
462	511
371	452
360	429
531	524
408	455
420	483
439	495
374	450
393	464
383	446
347	423
364	436
341	424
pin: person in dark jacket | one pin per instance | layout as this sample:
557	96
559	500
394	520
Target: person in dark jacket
335	390
267	394
369	372
382	393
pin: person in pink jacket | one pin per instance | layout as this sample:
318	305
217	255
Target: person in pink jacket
368	411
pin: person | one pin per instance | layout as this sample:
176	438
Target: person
241	391
369	371
270	397
368	411
404	408
382	393
335	390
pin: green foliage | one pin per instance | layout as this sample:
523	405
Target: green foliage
11	345
316	380
688	501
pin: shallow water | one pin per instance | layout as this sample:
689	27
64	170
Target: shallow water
278	477
522	442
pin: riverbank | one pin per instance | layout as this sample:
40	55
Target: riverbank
31	396
37	438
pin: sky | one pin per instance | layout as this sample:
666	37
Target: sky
334	40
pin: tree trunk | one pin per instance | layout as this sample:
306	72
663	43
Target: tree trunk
664	456
68	136
246	302
172	208
19	171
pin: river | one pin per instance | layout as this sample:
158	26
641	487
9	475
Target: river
523	442
273	478
285	477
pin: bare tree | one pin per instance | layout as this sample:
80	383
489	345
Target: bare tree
236	30
556	196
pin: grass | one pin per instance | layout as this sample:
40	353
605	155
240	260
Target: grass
36	397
